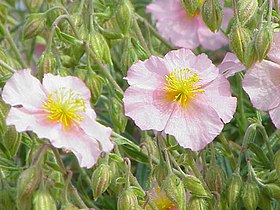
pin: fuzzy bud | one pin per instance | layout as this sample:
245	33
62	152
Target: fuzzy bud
117	114
160	172
250	195
46	64
12	140
34	25
250	55
190	6
263	42
212	14
273	191
124	16
42	200
233	189
215	178
95	84
247	10
197	203
195	186
128	200
101	179
129	55
33	5
175	191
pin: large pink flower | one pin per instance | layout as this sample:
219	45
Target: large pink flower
262	83
59	110
181	94
183	30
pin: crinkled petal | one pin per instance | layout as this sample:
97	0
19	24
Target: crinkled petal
146	108
230	65
275	116
195	126
274	53
54	82
24	89
262	84
200	64
217	95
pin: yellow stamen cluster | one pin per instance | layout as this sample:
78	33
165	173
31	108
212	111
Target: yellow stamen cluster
181	86
160	199
64	106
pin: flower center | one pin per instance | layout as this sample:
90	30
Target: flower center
181	86
64	106
160	199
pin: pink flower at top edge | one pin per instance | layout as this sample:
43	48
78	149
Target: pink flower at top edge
174	24
59	110
181	94
262	83
230	65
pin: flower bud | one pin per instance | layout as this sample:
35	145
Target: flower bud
160	172
95	84
34	25
215	178
129	56
128	200
263	42
4	109
273	191
175	191
190	6
250	55
46	64
247	10
277	162
12	140
212	14
124	16
140	51
265	201
117	114
250	195
195	186
6	199
100	180
239	38
42	200
233	189
33	5
151	146
197	203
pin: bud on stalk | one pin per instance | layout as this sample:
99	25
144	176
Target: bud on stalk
117	114
247	10
273	191
129	55
197	203
34	25
233	189
95	84
215	178
190	6
160	172
46	64
124	16
263	42
42	200
128	200
250	195
212	14
195	186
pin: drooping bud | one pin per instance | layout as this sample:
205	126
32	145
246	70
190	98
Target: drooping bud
250	55
43	200
129	56
247	10
160	172
215	178
117	114
233	189
175	191
100	180
250	195
197	203
151	146
212	14
190	6
239	38
277	162
33	5
273	191
95	84
128	200
140	51
124	16
46	64
195	186
263	42
34	25
12	140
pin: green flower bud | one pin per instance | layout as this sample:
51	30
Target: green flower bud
124	16
12	140
247	10
197	203
265	201
140	51
250	55
215	178
160	172
273	191
117	114
190	6
128	200
46	64
33	5
129	56
276	162
195	186
250	195
42	200
34	25
95	84
263	42
101	179
233	189
175	191
212	14
4	109
239	38
6	199
150	145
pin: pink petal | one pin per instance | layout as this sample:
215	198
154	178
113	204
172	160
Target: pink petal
275	116
274	53
261	82
24	89
230	65
195	126
52	83
217	95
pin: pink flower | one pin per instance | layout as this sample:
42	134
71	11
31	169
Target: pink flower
262	83
183	30
230	65
181	94
59	110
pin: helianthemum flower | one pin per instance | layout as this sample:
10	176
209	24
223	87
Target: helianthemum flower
58	110
184	30
262	83
181	94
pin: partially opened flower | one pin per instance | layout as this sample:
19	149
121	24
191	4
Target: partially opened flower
262	83
184	30
181	94
59	110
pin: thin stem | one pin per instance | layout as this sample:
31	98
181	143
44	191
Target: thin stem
269	12
240	103
235	10
57	7
6	66
228	149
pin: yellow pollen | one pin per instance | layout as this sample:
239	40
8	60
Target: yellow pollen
181	86
64	106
